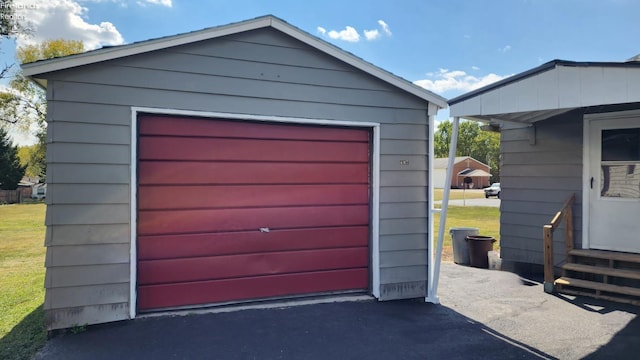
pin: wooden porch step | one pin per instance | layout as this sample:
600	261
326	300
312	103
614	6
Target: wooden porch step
577	283
629	274
608	255
620	299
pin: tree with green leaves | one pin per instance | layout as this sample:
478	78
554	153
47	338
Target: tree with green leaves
32	157
442	139
11	171
487	150
7	16
481	145
11	25
24	104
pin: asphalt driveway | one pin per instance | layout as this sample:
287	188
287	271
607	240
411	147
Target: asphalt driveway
483	315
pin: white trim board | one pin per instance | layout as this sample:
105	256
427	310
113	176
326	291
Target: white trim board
586	175
375	169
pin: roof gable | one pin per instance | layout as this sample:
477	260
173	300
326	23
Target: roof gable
36	69
551	89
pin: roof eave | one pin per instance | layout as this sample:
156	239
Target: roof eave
511	79
108	53
32	70
535	71
359	63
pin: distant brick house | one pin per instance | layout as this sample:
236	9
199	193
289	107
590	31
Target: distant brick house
464	166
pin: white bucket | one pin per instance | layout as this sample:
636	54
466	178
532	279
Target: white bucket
460	248
495	262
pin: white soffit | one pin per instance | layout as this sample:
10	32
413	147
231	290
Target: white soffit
561	87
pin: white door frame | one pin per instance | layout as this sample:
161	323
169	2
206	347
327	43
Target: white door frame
375	182
586	164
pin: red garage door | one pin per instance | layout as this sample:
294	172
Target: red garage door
233	210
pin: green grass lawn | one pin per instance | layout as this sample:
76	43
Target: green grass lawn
486	219
458	194
22	250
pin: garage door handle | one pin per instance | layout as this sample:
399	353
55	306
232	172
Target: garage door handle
264	230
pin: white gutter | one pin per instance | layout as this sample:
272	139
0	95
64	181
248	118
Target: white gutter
434	264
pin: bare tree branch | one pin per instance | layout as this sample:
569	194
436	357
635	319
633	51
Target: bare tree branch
5	71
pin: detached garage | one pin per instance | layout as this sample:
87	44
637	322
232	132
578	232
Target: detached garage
245	162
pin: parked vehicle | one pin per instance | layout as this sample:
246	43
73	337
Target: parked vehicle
39	191
493	190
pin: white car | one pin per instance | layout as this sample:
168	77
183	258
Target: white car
493	190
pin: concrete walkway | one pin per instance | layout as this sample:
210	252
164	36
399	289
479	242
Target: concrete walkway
483	315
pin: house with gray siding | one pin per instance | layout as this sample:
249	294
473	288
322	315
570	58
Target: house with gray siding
566	128
238	163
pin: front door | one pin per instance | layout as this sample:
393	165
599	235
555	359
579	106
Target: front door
614	200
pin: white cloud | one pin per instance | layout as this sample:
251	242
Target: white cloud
445	80
371	34
351	34
505	48
19	135
375	34
348	34
120	2
384	27
125	3
475	68
66	19
22	138
166	3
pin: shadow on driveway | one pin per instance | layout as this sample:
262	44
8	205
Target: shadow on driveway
625	343
346	330
483	314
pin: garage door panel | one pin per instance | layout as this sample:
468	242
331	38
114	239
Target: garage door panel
250	265
216	149
194	245
198	127
198	173
241	210
224	220
221	196
215	291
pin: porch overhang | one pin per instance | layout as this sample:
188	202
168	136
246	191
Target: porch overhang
551	89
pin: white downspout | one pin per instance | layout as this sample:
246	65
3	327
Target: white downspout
434	264
431	210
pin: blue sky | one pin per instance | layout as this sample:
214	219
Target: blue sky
448	46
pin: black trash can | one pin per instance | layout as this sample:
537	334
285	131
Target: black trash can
479	247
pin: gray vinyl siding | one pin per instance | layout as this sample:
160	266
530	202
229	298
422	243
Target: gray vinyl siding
261	72
536	179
